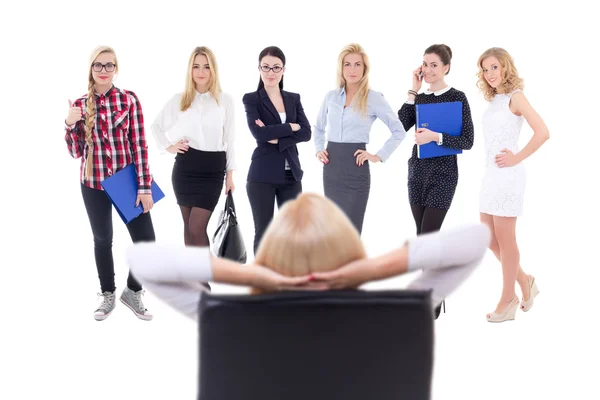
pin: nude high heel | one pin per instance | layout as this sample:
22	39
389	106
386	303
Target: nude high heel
533	291
509	313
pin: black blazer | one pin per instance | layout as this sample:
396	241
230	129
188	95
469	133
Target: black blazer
268	160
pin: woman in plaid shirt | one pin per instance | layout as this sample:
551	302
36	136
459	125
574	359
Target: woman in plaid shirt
108	134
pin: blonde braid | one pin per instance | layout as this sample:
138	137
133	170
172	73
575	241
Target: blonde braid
90	122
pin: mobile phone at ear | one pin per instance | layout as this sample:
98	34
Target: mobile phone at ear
420	75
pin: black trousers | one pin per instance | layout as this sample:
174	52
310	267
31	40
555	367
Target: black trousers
262	198
99	210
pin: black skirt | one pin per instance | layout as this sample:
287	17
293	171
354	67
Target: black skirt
198	178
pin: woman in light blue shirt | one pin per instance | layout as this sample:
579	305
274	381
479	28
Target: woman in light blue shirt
348	113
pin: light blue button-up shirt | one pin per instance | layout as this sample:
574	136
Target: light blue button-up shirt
347	125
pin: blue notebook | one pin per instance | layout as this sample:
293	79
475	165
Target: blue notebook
441	118
122	189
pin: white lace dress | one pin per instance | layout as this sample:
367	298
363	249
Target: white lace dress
502	189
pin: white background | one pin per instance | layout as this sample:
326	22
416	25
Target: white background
52	348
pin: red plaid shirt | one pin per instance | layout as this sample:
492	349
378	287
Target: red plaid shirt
118	138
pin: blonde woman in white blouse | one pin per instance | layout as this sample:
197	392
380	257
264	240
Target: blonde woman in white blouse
198	126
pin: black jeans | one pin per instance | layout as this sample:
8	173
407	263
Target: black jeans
262	198
99	210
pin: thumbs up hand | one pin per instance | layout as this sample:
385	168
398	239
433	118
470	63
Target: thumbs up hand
74	115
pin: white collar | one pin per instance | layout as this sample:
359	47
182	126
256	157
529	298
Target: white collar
438	92
202	95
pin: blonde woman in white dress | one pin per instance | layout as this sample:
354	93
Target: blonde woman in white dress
503	187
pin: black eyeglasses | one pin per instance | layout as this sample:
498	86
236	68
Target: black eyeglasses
109	67
266	68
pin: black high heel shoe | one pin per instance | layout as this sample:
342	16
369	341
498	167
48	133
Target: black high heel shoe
438	309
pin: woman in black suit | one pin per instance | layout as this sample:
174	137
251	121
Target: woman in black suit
277	121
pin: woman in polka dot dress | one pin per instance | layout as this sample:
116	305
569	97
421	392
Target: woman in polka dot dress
432	181
503	186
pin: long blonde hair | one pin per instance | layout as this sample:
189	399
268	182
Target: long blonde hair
510	76
214	85
309	234
362	94
90	109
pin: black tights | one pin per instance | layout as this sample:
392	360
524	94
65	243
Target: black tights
428	220
195	222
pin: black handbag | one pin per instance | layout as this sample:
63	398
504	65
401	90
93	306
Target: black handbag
227	240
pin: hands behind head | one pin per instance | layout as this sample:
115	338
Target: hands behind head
267	279
350	275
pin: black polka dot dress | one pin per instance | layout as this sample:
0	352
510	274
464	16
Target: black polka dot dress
432	181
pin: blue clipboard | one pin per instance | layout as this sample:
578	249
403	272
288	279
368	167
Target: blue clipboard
122	189
439	117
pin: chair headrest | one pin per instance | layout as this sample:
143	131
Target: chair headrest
349	344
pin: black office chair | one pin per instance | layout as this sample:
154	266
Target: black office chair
347	345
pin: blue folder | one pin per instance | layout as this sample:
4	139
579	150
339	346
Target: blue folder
441	118
122	189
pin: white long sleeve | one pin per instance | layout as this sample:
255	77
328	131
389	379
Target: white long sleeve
164	121
229	131
172	273
447	258
206	125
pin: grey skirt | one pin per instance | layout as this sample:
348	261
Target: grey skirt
345	183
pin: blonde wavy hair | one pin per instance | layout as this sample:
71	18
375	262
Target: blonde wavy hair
90	109
362	94
309	234
510	76
214	85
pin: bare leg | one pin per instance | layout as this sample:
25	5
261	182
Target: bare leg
495	248
505	233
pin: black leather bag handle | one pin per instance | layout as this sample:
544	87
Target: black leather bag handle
230	209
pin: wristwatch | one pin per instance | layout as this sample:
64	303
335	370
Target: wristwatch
440	139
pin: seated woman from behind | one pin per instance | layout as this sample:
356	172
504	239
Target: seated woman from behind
310	245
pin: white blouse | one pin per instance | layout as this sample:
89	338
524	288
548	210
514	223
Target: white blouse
283	117
206	125
446	258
